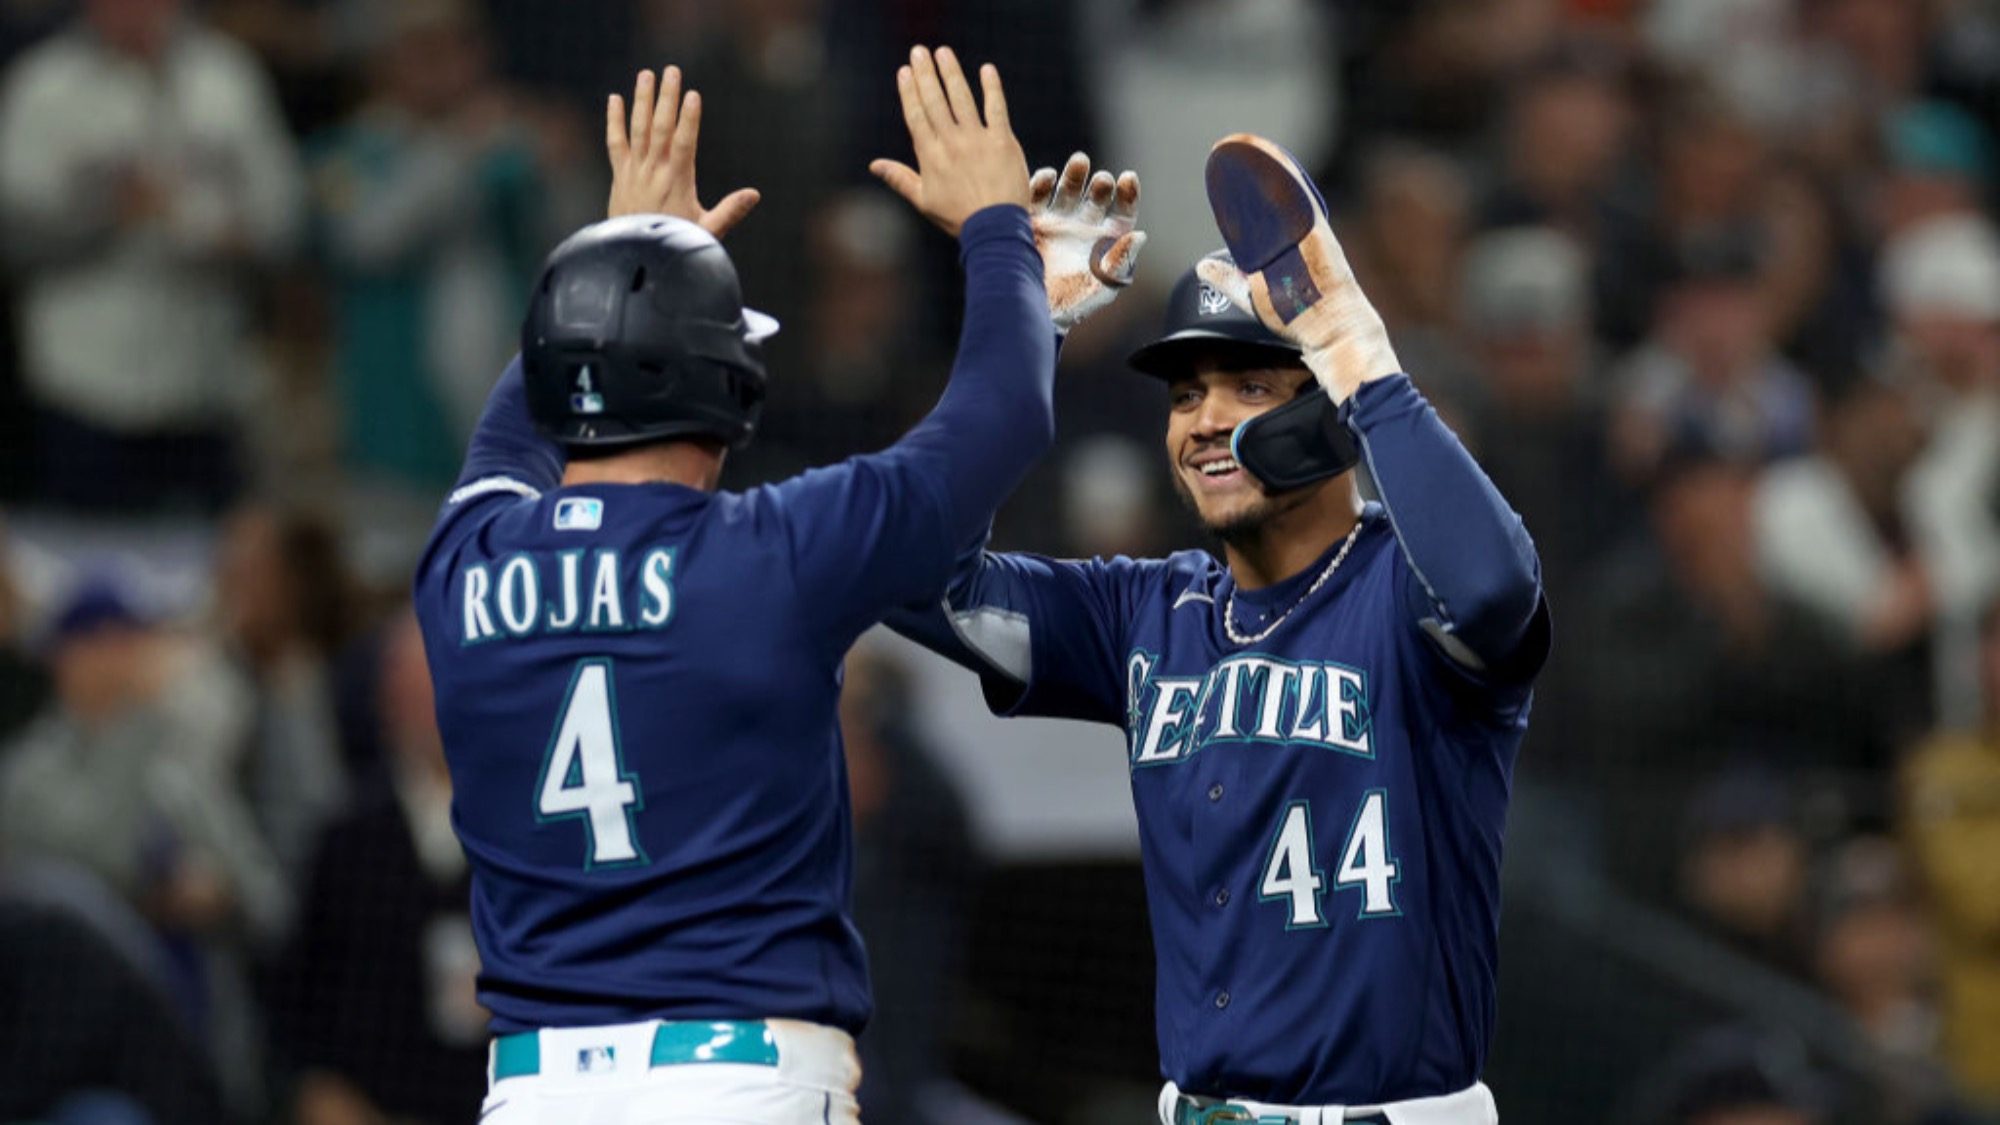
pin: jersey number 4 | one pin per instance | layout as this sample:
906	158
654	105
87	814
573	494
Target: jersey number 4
1292	874
583	773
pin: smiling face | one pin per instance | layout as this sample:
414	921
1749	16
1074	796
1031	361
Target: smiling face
1207	405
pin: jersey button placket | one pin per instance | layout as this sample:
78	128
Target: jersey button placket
1222	1000
1215	792
1222	896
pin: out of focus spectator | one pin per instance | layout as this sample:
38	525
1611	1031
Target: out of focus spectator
432	214
1951	818
1693	655
1941	281
758	63
1110	505
871	369
130	776
1872	952
1941	163
1709	371
1838	534
1744	866
144	175
24	683
1405	245
123	776
1734	1076
385	1022
1524	303
1525	309
1706	184
285	606
315	50
1568	124
913	865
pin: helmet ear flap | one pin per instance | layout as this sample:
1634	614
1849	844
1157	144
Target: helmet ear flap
1296	444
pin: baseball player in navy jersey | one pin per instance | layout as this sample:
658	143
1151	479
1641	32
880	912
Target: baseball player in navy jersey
1322	726
636	674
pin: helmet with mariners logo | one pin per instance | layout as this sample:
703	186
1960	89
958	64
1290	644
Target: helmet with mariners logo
637	333
1287	447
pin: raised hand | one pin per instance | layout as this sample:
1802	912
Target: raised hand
1289	270
963	164
1084	227
652	161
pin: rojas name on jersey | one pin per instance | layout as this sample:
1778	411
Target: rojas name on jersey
1245	698
576	590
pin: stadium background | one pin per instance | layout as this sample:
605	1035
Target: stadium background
1709	285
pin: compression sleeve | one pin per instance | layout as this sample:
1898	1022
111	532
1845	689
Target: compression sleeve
1469	551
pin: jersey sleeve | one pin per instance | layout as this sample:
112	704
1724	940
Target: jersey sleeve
1046	636
507	460
1477	593
881	530
507	455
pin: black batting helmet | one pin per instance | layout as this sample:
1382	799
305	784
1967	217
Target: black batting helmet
1287	447
637	333
1201	320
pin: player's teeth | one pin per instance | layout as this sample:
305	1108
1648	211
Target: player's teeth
1217	468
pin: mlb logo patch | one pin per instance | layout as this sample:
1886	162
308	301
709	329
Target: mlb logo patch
586	400
579	513
597	1060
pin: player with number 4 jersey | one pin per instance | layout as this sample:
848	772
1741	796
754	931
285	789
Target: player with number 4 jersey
637	674
1322	728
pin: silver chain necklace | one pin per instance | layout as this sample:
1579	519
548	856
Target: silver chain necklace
1229	607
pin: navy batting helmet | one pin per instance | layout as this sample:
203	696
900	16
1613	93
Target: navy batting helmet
1288	447
637	333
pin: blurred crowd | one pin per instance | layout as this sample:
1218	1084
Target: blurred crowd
1711	288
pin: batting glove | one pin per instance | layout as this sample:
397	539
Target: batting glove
1289	270
1083	226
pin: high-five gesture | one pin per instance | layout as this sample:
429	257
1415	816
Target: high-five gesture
1084	228
652	163
963	164
1289	270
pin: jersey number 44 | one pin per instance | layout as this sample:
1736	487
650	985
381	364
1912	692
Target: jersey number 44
1292	874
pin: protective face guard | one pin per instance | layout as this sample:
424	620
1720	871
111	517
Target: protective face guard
1296	444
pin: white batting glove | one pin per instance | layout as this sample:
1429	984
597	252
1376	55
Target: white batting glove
1289	270
1083	226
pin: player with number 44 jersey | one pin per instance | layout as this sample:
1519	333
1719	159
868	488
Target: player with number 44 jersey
1322	728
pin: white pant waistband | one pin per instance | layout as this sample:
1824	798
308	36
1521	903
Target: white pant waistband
809	1054
1470	1106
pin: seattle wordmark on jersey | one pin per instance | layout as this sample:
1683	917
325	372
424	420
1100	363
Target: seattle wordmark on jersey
1320	813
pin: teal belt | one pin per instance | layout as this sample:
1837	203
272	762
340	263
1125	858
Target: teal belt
674	1044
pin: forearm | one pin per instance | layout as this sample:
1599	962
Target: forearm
997	415
506	450
1467	547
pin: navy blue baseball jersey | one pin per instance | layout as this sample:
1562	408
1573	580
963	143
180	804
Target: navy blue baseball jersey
636	687
1321	812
